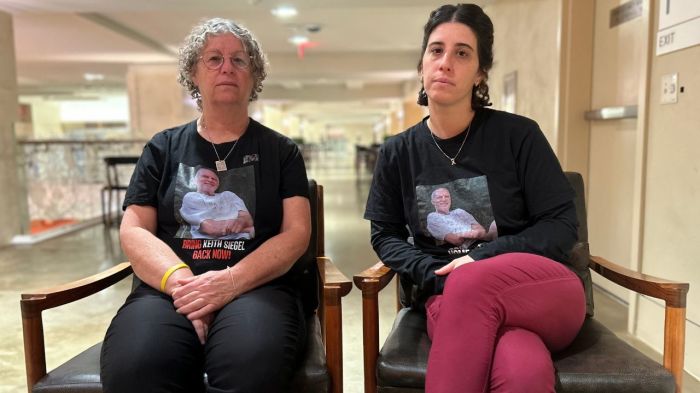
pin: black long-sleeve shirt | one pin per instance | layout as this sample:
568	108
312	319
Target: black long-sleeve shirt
507	177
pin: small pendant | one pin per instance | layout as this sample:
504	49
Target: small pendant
221	165
453	161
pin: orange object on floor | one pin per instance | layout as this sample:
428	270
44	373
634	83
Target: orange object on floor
37	226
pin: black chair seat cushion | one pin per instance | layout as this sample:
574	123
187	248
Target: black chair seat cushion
597	361
82	373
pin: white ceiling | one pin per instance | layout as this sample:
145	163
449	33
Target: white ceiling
367	49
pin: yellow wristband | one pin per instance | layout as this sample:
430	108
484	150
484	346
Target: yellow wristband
168	273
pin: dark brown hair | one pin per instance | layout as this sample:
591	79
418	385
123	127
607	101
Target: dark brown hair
473	17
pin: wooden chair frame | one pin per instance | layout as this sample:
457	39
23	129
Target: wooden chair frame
334	286
375	278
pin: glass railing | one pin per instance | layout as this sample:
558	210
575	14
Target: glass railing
64	178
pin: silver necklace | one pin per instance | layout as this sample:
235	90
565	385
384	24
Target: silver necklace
452	159
220	164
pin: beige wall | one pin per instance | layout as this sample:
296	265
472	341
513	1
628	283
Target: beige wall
526	41
12	199
672	209
576	72
156	100
412	112
46	118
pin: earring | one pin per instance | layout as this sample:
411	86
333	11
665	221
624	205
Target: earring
422	96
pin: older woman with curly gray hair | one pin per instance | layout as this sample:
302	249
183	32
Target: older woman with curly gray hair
227	309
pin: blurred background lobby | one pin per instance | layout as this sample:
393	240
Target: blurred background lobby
613	84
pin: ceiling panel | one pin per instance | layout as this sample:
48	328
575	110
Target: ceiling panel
367	49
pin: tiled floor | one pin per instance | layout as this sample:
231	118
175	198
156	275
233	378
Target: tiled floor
95	249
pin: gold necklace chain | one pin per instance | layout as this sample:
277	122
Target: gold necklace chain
452	159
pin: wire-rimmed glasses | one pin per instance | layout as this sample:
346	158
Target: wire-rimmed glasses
214	60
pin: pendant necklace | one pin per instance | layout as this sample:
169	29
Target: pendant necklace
452	159
220	164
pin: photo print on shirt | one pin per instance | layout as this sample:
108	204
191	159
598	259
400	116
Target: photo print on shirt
215	205
457	214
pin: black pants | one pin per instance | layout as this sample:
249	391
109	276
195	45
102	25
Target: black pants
254	345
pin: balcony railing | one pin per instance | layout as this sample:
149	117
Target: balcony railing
64	178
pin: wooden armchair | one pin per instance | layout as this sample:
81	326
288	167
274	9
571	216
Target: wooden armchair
320	371
597	361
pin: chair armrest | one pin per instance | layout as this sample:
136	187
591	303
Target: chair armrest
32	304
672	292
334	286
44	299
374	279
370	282
331	277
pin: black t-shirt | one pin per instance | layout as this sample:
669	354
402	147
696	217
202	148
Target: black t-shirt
506	193
264	168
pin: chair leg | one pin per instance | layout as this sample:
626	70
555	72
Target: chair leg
118	214
333	316
105	209
34	350
674	343
370	328
110	202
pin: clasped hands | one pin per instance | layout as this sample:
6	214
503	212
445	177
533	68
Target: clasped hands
198	297
220	228
476	232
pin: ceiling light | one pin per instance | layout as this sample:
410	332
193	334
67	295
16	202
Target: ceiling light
284	11
291	85
298	39
93	77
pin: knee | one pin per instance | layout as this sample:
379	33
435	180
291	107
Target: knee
248	373
122	370
170	356
524	375
248	368
521	363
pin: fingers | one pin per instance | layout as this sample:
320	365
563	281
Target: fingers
186	280
186	298
202	330
233	226
202	312
190	307
208	292
445	269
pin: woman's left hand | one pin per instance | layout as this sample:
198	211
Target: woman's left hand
200	295
201	327
447	269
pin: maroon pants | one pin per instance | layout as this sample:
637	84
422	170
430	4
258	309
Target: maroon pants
496	322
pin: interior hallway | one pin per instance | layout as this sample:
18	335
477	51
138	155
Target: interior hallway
77	326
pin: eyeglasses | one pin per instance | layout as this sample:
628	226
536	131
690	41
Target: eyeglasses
214	60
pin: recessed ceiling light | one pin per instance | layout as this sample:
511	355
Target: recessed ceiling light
298	39
284	11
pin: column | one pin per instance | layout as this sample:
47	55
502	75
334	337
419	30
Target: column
13	198
156	100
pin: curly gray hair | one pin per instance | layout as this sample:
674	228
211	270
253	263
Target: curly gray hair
197	39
